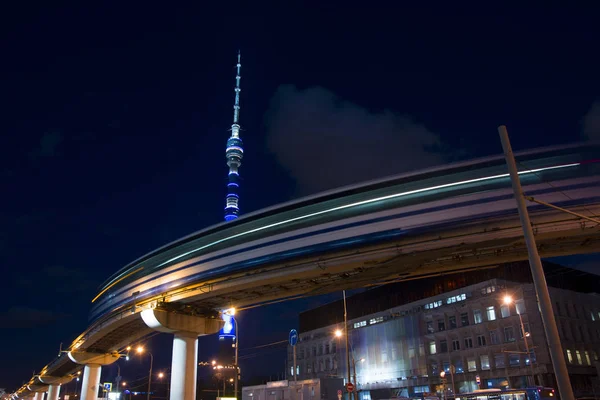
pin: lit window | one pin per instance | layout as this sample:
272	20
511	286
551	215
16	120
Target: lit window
375	320
485	361
491	313
595	355
477	317
472	365
569	356
587	358
432	349
360	324
505	311
578	354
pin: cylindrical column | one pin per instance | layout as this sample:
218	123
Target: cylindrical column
53	392
90	382
537	272
184	367
39	396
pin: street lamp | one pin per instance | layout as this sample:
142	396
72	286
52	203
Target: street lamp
508	300
230	314
140	350
338	333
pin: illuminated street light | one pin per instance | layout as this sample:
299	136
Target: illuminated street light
338	333
161	375
229	311
507	301
128	348
140	349
124	383
214	362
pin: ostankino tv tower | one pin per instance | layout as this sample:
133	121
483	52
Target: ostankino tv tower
234	154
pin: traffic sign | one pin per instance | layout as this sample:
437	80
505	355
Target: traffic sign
350	387
107	386
339	394
478	379
293	337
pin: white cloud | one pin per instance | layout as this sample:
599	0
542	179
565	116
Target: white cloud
326	142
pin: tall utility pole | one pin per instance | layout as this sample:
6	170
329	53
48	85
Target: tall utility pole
150	374
347	341
537	272
236	366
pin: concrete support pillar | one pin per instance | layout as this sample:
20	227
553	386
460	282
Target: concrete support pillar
184	366
90	384
53	392
92	362
186	329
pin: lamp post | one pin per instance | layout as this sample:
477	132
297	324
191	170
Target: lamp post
140	350
162	375
339	333
508	300
354	373
443	379
230	313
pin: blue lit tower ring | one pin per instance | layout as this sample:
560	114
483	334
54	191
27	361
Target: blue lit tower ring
234	154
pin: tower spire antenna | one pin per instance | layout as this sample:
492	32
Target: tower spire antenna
234	152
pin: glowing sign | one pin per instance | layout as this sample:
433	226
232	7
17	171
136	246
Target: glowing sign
228	329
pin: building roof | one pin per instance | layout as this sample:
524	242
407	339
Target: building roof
397	294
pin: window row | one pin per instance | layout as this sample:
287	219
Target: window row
326	348
580	356
490	313
500	360
508	335
320	366
449	300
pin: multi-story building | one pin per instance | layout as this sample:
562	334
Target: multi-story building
403	335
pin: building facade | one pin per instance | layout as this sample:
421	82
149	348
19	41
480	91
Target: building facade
470	333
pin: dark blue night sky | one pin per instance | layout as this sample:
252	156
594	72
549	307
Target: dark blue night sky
115	118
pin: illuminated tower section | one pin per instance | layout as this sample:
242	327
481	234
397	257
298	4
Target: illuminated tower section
234	154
